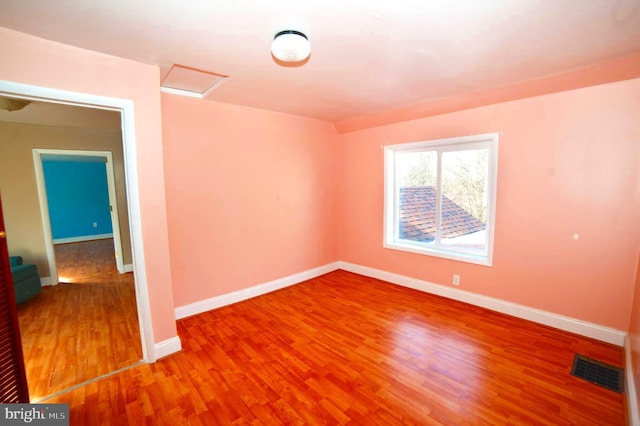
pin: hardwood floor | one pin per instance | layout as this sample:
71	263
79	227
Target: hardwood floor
346	349
81	329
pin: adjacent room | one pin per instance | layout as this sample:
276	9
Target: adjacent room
329	213
79	159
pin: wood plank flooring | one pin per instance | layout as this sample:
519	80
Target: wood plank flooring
346	349
88	261
81	329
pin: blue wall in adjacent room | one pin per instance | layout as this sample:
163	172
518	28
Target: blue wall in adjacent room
77	196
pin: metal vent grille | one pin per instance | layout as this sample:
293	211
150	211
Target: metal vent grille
599	373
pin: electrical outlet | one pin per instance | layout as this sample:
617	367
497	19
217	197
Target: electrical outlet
456	279
95	224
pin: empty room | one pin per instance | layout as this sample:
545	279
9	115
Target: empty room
342	212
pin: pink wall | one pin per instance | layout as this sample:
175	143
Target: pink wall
31	60
634	334
251	195
567	164
633	339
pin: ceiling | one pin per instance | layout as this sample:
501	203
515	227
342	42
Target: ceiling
368	56
61	115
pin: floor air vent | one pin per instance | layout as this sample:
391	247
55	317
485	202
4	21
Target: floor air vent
606	375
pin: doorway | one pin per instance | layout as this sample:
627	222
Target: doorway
95	157
125	109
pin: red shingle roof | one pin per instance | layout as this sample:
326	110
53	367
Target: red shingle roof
418	218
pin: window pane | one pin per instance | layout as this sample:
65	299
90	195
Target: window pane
416	182
464	198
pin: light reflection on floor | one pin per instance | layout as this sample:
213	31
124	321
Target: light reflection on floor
456	362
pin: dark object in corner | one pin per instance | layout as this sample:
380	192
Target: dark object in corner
26	280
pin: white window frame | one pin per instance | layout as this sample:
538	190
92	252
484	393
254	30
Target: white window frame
391	238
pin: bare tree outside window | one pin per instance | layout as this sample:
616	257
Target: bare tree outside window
418	168
464	176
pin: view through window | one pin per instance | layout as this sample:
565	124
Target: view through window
440	197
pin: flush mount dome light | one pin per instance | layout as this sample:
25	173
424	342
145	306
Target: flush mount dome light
290	46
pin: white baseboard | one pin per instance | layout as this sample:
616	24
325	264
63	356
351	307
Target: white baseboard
167	347
630	386
44	281
248	293
584	328
128	268
83	238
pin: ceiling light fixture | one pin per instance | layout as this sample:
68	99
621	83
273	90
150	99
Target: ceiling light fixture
290	46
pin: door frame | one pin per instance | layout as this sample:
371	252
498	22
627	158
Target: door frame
44	205
126	109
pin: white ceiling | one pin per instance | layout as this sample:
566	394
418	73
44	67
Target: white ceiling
367	56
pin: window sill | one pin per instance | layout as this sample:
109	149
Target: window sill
445	254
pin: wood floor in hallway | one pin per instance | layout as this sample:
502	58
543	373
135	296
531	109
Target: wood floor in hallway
346	349
82	328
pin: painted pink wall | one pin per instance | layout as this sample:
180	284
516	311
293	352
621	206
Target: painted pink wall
633	339
634	334
251	195
567	164
31	60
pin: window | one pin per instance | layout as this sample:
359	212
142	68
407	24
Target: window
440	197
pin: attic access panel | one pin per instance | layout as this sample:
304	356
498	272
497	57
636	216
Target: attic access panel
192	82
